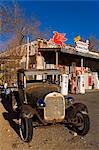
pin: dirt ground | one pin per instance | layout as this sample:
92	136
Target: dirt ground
52	138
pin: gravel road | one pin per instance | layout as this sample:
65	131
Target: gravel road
54	137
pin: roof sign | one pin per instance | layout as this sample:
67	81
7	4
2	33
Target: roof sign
58	38
82	46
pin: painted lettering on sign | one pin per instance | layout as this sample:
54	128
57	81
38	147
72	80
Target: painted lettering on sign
82	46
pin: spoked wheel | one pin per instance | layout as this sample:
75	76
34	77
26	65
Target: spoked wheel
26	129
82	125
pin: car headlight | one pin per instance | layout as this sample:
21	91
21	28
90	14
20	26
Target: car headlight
69	100
40	103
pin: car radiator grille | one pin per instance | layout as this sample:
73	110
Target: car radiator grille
55	107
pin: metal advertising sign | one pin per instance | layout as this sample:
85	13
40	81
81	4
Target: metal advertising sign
58	38
82	46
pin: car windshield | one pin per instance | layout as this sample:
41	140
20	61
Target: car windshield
33	78
42	76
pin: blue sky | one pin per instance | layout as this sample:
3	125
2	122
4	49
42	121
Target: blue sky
70	17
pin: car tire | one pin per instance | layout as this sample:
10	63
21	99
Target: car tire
84	128
26	129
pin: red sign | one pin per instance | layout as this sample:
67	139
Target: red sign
58	38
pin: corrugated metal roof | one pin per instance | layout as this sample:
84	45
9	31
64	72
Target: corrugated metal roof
17	53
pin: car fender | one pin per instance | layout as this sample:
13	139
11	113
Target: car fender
84	112
73	109
26	111
80	107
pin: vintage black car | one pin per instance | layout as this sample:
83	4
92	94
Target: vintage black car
39	102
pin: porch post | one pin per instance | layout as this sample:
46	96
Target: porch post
82	64
56	58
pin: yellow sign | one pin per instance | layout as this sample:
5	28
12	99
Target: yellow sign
77	38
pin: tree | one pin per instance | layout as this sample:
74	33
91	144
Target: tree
14	23
93	44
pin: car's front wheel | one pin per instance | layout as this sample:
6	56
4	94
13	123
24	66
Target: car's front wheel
82	125
26	129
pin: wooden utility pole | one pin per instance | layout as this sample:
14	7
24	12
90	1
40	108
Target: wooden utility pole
27	58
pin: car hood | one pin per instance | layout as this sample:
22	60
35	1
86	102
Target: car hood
38	91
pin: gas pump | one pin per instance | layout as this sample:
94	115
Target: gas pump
64	84
80	84
95	80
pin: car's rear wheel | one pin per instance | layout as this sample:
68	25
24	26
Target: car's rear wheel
82	125
26	129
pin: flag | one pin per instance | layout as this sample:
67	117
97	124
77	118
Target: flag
77	38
